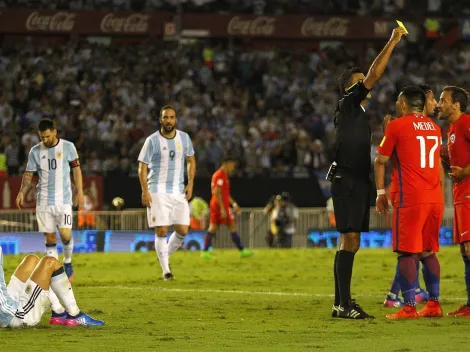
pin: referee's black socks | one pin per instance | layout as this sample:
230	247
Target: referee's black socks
344	267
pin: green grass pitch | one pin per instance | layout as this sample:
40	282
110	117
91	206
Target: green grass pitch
279	300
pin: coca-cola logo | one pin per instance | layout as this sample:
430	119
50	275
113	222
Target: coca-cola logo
260	26
58	22
135	23
333	27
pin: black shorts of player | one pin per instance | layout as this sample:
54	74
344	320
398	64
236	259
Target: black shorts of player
351	201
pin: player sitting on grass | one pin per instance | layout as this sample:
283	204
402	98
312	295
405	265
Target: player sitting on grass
26	298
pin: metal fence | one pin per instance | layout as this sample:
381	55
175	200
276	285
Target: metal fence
253	224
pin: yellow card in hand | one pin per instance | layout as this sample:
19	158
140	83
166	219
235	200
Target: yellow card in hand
400	23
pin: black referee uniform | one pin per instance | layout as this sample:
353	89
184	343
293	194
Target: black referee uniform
351	184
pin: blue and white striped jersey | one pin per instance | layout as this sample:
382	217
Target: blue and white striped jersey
8	305
166	161
53	168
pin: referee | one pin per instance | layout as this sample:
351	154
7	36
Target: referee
350	174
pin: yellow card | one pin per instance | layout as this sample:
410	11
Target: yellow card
400	23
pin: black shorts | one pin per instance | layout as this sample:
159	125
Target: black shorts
351	201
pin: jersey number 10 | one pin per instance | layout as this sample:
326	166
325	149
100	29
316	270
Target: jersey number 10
422	150
52	164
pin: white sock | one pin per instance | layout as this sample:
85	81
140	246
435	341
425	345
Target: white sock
68	250
161	247
51	251
175	242
61	286
55	303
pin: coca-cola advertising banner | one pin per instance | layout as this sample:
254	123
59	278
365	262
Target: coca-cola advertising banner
10	186
23	21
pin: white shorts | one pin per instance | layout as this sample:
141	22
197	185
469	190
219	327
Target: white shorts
168	209
54	217
17	290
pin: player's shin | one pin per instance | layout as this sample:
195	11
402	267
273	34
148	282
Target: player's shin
161	247
61	286
56	306
237	241
51	250
208	240
466	260
68	250
407	276
432	276
175	242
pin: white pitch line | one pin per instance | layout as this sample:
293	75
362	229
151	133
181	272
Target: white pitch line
240	292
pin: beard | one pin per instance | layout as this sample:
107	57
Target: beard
168	128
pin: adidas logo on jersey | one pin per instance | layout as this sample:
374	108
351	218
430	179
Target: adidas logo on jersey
164	148
43	157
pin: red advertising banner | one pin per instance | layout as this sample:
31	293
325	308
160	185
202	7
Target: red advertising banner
9	187
160	24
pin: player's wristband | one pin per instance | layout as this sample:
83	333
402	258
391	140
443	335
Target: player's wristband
380	192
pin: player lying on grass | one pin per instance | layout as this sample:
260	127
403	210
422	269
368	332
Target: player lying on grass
26	297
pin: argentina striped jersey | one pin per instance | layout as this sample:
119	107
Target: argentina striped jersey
53	168
166	161
8	305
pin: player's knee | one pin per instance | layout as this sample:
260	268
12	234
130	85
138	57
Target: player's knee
350	242
51	237
31	260
50	262
181	229
465	249
66	236
161	231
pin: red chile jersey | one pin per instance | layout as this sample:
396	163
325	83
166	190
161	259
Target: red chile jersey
413	143
220	180
458	144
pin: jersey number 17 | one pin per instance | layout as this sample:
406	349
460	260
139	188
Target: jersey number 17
424	156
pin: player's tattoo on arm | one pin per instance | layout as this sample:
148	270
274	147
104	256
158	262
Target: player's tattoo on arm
191	160
26	182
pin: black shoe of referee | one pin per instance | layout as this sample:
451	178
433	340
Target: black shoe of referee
334	311
353	311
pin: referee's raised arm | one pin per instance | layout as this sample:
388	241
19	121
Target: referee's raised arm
350	173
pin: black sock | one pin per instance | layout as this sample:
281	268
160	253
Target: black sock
336	280
344	269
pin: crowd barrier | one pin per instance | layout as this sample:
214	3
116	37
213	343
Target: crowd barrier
127	231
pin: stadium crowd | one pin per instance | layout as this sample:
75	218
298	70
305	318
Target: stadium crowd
274	110
275	7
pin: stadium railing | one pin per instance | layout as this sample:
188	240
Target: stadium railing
313	226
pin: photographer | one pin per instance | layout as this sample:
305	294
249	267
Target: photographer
267	211
283	219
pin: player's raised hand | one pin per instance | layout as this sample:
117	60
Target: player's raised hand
457	174
381	204
19	200
188	191
237	209
397	33
146	199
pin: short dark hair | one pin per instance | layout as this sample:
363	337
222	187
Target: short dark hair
228	157
426	88
459	95
166	107
414	97
46	124
345	80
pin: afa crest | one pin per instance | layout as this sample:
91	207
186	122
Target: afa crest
59	155
28	289
178	146
452	138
